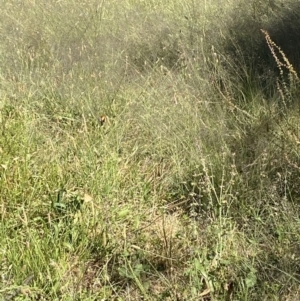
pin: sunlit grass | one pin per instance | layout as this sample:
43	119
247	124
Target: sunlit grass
146	153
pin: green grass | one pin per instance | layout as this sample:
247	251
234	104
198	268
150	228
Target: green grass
190	188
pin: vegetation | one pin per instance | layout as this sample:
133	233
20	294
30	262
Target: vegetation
149	150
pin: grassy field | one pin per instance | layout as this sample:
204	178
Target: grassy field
149	150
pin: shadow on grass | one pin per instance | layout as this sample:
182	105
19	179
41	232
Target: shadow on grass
248	48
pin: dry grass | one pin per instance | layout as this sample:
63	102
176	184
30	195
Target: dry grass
188	190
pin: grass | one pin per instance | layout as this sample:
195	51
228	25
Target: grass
189	189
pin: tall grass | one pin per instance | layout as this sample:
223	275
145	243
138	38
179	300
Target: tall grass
149	150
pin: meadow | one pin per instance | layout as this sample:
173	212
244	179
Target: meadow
149	150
